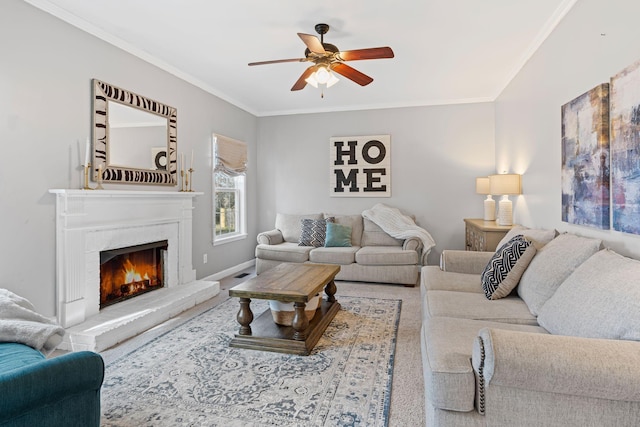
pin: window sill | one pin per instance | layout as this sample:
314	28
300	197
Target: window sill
224	240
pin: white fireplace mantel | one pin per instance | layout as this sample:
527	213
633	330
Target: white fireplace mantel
88	222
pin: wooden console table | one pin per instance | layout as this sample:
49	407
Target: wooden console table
481	235
297	283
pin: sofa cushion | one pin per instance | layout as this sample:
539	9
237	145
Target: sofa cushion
338	235
373	235
446	353
286	252
289	225
337	255
313	231
539	236
504	269
17	356
468	305
550	267
433	278
353	221
386	255
600	299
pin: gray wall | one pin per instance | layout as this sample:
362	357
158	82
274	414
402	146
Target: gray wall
45	106
574	59
436	154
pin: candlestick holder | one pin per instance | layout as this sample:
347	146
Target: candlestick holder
191	170
99	178
86	177
182	180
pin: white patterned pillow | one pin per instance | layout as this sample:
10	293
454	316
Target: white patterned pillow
313	231
503	272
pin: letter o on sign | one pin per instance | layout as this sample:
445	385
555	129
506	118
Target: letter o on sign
382	152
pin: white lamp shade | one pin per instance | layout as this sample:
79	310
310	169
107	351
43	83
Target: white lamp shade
505	184
482	185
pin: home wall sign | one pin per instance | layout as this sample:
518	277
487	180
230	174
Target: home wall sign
360	166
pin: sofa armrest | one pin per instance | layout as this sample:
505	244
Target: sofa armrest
271	237
412	244
468	262
559	365
50	381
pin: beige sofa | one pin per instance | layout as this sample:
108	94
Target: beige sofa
561	350
374	256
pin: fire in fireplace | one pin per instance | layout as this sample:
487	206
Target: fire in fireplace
131	271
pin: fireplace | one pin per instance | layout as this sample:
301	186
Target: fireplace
128	272
95	229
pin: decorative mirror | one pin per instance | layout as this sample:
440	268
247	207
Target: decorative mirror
134	138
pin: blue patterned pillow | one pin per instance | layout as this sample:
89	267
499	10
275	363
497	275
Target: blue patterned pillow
503	272
313	231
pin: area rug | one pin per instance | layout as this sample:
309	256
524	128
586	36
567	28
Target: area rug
191	377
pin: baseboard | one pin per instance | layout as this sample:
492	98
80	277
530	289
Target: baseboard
230	271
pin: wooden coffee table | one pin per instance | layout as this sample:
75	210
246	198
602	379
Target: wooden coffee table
297	283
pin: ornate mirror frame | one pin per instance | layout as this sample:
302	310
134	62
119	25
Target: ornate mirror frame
102	94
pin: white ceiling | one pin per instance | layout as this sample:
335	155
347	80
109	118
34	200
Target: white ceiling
446	51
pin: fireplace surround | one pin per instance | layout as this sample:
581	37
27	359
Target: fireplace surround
91	222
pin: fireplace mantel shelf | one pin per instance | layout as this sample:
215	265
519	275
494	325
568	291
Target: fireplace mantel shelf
123	193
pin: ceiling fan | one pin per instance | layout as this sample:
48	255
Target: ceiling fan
327	57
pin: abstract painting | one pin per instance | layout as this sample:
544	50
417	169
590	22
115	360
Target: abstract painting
625	149
585	159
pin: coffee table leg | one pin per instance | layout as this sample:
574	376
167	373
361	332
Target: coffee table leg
330	290
300	323
245	316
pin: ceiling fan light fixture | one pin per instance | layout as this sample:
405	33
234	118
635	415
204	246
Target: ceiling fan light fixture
312	80
332	80
322	74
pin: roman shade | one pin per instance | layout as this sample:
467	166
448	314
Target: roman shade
230	156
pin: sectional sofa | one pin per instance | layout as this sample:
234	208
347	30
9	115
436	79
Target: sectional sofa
560	350
372	254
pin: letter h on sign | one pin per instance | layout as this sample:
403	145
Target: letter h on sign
360	166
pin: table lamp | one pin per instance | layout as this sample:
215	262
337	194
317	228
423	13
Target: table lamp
506	185
482	187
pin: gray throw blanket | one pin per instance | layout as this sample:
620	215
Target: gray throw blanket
20	323
396	224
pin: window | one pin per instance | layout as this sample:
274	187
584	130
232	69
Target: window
229	189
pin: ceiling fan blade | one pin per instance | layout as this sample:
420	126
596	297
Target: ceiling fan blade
312	43
371	53
277	61
351	73
301	83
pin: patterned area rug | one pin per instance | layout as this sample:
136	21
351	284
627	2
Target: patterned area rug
191	377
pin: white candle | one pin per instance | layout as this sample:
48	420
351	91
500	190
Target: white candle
191	159
182	161
86	153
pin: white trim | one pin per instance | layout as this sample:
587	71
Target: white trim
127	47
540	38
224	240
229	271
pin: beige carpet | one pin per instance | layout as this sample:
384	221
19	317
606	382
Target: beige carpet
407	396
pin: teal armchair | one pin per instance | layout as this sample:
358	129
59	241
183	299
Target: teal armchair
55	392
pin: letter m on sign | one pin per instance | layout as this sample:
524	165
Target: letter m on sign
360	166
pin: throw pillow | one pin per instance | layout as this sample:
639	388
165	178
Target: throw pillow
313	231
552	265
503	272
338	235
600	299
